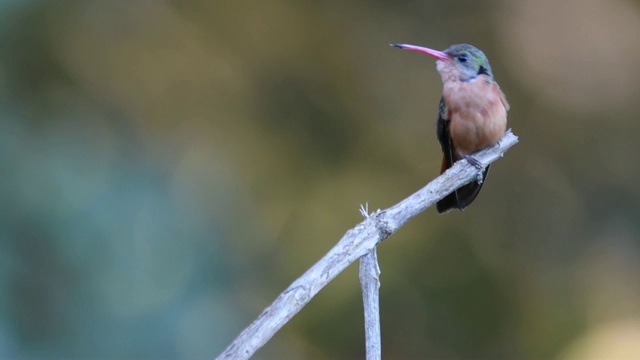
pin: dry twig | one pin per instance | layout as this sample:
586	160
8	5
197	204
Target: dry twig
357	242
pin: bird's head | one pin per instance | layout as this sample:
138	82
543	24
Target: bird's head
462	61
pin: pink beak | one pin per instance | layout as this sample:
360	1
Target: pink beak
435	53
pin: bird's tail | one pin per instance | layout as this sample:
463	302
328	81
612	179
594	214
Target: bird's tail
462	197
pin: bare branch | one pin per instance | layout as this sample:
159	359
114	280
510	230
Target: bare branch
357	242
370	284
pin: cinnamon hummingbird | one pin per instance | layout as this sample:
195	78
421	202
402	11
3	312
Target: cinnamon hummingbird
472	113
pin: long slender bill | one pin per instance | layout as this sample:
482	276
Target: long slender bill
435	53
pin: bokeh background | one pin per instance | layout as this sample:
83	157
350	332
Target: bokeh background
169	167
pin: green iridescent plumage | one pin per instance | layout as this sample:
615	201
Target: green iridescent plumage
471	60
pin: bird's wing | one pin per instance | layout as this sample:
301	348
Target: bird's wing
442	132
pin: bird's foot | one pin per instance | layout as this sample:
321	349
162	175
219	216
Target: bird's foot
478	165
473	161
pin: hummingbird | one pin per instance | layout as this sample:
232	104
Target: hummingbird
472	113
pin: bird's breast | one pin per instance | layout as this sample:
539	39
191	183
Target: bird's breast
477	111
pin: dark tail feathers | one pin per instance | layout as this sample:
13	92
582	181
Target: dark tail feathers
462	197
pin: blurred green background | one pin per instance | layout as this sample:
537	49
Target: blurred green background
169	167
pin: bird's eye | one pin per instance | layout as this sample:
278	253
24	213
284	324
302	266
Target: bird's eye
463	58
